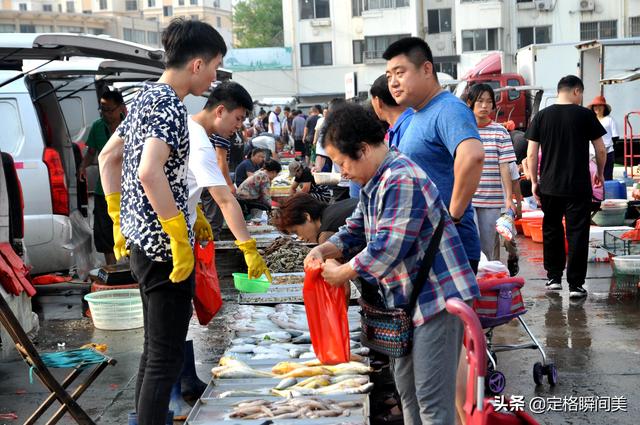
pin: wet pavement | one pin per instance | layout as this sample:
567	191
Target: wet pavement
595	344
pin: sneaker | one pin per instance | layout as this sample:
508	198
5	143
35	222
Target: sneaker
577	292
553	284
512	265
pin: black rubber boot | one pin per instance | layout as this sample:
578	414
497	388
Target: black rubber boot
192	386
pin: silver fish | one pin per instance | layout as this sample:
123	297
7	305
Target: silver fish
286	383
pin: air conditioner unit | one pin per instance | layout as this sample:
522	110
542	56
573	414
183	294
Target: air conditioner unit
543	5
587	5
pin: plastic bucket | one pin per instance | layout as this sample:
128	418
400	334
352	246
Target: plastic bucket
536	232
610	217
615	189
118	309
527	222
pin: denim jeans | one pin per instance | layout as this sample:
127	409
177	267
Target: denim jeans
426	378
167	311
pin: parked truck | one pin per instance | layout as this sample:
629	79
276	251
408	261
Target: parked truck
602	60
538	67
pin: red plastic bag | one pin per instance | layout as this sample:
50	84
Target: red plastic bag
327	317
208	298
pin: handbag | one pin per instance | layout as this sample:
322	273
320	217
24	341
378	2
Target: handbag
390	331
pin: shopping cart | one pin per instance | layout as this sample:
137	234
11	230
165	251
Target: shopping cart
479	410
500	302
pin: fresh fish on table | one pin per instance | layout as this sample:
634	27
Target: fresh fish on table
242	348
246	393
286	383
278	336
268	356
245	340
305	338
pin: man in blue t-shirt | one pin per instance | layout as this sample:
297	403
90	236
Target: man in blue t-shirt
442	136
443	140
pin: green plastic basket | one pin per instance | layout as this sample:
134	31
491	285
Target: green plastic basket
255	286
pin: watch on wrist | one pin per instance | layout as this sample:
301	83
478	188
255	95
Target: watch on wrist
456	220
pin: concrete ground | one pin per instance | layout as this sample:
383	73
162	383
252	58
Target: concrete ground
595	343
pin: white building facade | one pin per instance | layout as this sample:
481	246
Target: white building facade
140	21
483	26
330	38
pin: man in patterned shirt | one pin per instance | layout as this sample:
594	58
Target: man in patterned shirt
146	161
385	239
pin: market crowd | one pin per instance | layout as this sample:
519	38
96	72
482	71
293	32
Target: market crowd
420	170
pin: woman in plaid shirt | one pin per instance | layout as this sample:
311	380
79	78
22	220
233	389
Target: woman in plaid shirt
385	240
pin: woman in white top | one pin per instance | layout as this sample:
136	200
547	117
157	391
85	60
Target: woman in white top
602	109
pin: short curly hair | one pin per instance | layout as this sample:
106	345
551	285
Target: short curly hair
292	212
349	126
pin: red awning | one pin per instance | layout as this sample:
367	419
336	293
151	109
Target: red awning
491	64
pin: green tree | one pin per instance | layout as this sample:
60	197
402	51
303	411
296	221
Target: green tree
258	23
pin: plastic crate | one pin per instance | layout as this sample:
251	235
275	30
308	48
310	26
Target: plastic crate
618	246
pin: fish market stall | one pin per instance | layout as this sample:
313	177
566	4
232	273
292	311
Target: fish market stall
270	372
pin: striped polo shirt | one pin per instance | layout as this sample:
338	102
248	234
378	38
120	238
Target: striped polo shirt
498	149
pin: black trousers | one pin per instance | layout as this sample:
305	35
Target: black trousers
577	211
608	166
167	311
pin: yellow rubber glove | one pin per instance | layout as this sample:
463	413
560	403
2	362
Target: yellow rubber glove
113	209
181	249
201	227
255	263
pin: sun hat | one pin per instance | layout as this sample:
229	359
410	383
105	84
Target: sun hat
600	100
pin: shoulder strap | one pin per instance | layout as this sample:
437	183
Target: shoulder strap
427	262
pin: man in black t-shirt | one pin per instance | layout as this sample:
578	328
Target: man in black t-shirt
564	188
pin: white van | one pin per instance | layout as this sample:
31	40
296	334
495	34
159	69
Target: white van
35	133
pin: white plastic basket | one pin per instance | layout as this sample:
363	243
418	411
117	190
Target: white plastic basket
327	178
116	309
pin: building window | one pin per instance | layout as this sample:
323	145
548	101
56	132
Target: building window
102	4
193	2
450	68
356	7
22	7
384	4
316	54
71	7
598	30
126	34
439	20
96	31
375	46
151	3
167	10
533	35
138	36
477	40
7	28
131	5
314	9
634	26
218	22
216	3
47	8
152	38
180	2
27	28
358	51
71	29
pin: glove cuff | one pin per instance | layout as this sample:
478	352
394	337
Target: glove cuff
246	245
113	206
173	225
